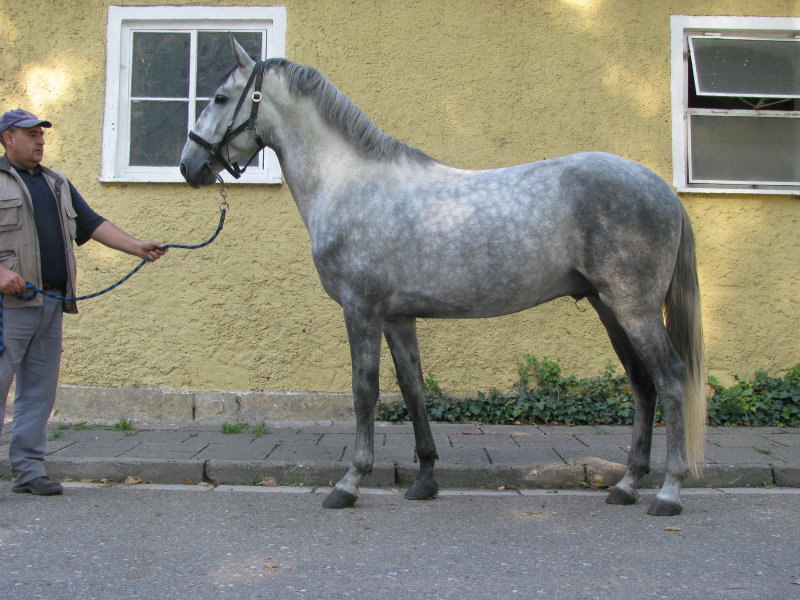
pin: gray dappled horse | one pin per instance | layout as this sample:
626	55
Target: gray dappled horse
396	235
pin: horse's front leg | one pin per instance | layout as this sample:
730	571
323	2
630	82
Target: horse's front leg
401	335
364	333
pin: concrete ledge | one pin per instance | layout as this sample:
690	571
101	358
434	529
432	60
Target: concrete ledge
154	405
74	403
216	408
148	470
257	407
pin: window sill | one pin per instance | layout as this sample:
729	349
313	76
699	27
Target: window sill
685	189
150	178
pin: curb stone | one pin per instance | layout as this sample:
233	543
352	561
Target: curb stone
156	470
495	476
787	476
237	472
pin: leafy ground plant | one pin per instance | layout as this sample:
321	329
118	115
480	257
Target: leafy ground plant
123	425
260	430
542	395
237	427
764	401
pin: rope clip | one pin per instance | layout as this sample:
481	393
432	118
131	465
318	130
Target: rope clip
224	194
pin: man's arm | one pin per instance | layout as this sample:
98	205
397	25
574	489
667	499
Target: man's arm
112	236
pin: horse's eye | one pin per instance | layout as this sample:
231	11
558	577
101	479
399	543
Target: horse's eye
219	99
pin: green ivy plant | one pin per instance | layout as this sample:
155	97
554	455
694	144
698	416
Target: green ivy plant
542	395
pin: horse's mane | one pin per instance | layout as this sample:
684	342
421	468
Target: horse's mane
341	112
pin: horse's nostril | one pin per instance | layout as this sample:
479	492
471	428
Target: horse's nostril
183	170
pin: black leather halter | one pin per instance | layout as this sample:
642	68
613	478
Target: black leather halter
215	150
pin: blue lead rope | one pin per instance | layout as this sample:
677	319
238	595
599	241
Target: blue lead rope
36	290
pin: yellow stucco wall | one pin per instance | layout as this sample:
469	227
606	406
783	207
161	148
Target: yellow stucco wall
475	84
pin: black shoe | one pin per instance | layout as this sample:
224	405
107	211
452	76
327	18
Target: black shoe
41	486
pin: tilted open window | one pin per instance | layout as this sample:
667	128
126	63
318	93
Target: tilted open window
736	104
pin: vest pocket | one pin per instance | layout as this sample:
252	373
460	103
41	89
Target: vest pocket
72	224
8	258
10	213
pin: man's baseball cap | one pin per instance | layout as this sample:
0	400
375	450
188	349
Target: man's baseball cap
21	118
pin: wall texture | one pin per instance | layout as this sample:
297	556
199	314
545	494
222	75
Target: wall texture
474	84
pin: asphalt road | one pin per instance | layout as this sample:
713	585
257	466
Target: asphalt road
194	543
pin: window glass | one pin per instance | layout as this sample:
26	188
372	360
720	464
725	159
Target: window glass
158	132
742	149
214	56
160	66
746	67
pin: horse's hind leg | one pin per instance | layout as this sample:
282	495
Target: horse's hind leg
653	348
364	334
401	335
644	394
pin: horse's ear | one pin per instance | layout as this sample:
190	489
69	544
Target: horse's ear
240	54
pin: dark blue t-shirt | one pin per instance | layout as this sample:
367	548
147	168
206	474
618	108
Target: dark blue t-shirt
48	228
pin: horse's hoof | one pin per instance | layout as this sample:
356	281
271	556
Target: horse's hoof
339	499
422	490
664	508
622	496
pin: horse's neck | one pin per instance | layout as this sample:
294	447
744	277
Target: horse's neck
315	161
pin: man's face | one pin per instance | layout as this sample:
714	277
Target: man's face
25	146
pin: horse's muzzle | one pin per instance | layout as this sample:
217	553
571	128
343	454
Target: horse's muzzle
198	177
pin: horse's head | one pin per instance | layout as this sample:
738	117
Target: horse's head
226	132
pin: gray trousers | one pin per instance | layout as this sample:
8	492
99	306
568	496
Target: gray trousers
32	337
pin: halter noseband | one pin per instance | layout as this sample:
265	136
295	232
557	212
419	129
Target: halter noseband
215	150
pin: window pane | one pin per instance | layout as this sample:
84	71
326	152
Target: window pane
160	67
214	58
739	67
158	132
744	149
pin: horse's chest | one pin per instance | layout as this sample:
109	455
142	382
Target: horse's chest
345	260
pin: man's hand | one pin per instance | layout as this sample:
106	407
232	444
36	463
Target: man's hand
10	282
150	250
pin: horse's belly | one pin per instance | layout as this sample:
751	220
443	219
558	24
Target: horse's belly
477	297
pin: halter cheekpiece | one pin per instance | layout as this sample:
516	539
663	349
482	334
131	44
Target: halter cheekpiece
215	149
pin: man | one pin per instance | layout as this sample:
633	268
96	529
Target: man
41	215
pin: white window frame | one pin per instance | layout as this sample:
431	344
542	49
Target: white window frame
682	27
116	123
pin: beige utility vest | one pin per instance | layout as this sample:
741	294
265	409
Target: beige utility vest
19	242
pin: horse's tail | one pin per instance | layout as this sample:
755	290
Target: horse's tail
685	327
